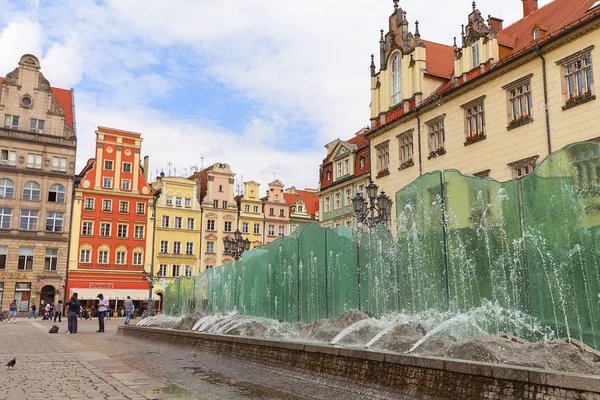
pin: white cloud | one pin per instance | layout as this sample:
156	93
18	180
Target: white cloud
16	39
64	63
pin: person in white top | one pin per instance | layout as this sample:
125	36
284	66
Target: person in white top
102	307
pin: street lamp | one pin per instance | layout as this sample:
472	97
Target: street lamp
235	246
374	210
150	278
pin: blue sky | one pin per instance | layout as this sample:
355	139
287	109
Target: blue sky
262	85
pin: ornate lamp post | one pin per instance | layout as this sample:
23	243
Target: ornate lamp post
150	278
374	210
236	246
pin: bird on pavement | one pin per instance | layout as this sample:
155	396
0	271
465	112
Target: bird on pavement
11	363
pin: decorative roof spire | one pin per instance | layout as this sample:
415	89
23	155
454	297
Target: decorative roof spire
474	6
372	65
381	37
417	29
395	4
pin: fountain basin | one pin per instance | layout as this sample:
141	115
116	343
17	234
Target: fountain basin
384	374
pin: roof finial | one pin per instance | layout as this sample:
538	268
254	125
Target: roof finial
396	4
381	38
474	6
417	29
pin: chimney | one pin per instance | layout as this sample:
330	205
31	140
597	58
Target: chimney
496	23
146	167
529	6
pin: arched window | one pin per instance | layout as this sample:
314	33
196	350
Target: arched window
56	194
31	191
475	54
362	161
7	188
536	33
397	79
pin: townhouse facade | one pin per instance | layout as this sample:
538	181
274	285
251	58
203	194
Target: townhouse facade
344	173
37	164
303	207
494	104
251	214
177	231
219	213
111	242
276	213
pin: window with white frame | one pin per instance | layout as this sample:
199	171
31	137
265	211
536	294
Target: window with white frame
210	225
104	229
346	167
256	209
164	246
108	165
337	201
523	167
3	255
282	213
125	184
189	248
107	183
123	206
224	203
228	226
51	260
138	258
245	227
176	247
84	256
188	271
8	157
474	118
106	205
165	221
138	232
187	202
339	169
120	258
210	247
437	134
247	208
272	211
405	142
102	256
175	271
36	125
169	200
475	54
271	231
519	99
397	79
348	197
327	204
7	188
5	217
31	191
54	221
11	121
59	164
256	229
191	223
140	209
177	222
122	231
162	270
56	194
87	228
88	203
361	162
126	167
578	74
29	220
216	203
282	231
25	258
383	156
177	201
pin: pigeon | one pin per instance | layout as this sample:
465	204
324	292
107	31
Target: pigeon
11	363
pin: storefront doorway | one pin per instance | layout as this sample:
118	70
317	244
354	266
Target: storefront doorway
47	295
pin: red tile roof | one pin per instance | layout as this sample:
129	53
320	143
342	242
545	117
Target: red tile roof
359	139
64	99
554	16
203	176
440	59
310	199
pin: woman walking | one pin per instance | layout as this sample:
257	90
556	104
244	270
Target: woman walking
73	309
58	310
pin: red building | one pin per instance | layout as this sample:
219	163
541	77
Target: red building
112	232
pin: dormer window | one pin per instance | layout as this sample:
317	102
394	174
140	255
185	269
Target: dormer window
328	176
536	33
361	162
396	79
475	53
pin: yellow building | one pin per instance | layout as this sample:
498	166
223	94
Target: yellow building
177	236
251	214
494	104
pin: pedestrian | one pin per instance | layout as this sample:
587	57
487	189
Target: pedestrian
81	312
123	311
51	310
58	309
73	307
102	307
108	311
47	309
12	311
32	313
128	310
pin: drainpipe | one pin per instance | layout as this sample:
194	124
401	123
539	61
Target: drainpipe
539	53
419	139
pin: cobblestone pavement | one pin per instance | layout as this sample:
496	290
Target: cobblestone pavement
92	365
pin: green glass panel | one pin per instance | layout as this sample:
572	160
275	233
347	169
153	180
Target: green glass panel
342	272
313	277
223	284
561	202
420	243
252	278
283	279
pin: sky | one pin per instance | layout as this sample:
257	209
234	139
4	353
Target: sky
261	85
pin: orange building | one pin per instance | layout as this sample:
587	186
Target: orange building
112	231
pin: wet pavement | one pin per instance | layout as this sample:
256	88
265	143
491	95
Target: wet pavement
92	365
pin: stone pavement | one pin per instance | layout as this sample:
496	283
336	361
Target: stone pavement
92	365
54	366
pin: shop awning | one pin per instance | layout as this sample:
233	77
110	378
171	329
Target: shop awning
114	294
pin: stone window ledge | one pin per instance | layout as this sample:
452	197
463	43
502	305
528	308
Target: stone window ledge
519	122
578	101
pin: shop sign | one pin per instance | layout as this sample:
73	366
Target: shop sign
23	287
95	285
13	275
